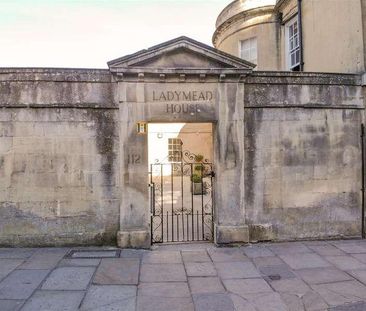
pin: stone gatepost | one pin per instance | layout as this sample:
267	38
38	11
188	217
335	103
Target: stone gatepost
181	81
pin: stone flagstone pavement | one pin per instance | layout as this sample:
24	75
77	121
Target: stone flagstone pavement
293	276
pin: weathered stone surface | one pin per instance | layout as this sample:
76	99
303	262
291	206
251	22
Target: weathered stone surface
11	305
254	251
243	287
323	275
20	284
279	272
162	273
54	300
118	271
69	278
94	254
8	265
110	298
164	296
232	234
237	270
163	257
79	262
290	286
345	262
227	254
217	302
195	256
200	269
44	259
356	306
204	285
16	253
341	292
304	260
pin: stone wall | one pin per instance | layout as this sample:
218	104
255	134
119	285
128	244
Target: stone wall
303	157
66	137
58	160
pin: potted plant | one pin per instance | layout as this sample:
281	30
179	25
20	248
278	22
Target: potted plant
196	184
197	176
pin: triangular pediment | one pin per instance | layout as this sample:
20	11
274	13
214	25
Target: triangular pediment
180	53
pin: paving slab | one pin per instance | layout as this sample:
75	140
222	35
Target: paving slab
79	262
195	256
345	262
323	275
162	257
227	254
11	305
360	275
133	253
16	253
69	278
257	251
110	298
117	271
304	261
279	272
44	259
145	303
290	286
205	285
164	296
20	284
242	287
339	293
164	289
360	257
8	265
213	302
264	302
310	301
162	273
326	250
237	270
94	254
200	269
289	248
268	261
54	300
241	304
357	306
351	247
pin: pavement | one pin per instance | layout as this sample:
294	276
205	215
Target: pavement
311	276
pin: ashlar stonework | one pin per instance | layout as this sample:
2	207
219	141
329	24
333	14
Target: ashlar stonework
287	148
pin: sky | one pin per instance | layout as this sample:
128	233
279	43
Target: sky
88	33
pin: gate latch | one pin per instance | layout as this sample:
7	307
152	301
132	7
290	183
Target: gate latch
212	174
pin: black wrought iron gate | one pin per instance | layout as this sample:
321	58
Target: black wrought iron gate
181	200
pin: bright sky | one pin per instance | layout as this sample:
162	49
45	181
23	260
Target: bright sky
88	33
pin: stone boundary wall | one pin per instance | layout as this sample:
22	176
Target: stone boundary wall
60	148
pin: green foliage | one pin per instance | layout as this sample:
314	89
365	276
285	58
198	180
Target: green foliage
196	178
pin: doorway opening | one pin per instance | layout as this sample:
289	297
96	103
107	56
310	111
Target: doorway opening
181	176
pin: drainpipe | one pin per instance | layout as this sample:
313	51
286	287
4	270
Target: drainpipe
299	9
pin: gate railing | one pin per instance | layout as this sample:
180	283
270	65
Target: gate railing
181	201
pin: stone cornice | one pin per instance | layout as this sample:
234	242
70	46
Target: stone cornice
55	74
242	16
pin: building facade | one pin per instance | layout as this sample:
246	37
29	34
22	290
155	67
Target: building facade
74	167
293	35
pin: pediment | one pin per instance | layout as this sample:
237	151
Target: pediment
180	53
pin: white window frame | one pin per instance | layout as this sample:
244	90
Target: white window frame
292	50
175	149
252	60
